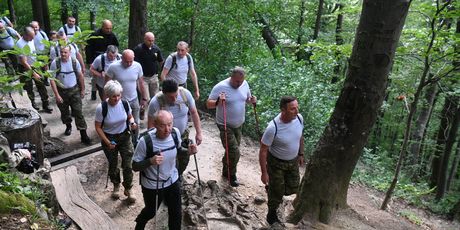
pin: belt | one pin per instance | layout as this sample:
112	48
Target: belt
281	160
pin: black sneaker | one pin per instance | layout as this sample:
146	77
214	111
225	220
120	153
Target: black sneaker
68	130
84	137
47	109
233	181
35	106
272	217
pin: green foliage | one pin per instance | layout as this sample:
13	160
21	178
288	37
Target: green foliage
13	183
412	217
19	202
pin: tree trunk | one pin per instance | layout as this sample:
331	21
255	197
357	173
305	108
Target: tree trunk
269	36
319	14
12	12
64	11
37	11
75	13
446	118
192	23
46	26
327	176
300	35
454	167
338	41
92	19
442	177
420	128
137	22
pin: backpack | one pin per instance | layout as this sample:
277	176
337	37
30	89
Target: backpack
57	48
65	29
74	66
103	62
105	110
174	61
42	33
162	100
276	127
149	144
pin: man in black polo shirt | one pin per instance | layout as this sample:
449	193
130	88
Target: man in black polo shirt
149	56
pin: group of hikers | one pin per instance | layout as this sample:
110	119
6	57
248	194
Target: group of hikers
128	84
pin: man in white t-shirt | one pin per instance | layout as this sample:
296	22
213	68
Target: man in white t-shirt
179	101
101	64
55	50
129	73
25	65
178	65
230	97
69	91
281	153
40	35
70	28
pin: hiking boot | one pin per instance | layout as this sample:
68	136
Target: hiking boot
68	130
131	198
84	137
115	193
35	106
142	113
93	95
47	108
234	181
272	217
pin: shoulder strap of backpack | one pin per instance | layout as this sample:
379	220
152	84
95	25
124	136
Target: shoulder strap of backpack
58	65
176	139
174	61
102	62
43	34
65	29
276	128
189	60
74	66
126	106
56	50
77	29
161	100
183	95
300	120
104	112
8	30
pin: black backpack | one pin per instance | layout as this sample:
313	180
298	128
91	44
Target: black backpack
103	62
65	29
149	145
105	110
174	61
276	127
74	67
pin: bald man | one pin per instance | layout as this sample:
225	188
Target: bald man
98	46
129	73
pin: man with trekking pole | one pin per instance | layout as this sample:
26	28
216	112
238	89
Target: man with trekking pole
230	97
155	158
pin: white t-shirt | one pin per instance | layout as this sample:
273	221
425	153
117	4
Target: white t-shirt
235	102
127	77
179	109
7	41
286	144
73	51
115	121
67	75
22	43
180	71
70	31
100	81
168	170
39	45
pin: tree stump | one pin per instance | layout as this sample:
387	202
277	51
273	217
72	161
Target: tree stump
23	125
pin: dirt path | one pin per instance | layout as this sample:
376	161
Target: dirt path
226	207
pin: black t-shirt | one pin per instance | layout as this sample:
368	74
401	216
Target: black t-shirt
148	58
97	46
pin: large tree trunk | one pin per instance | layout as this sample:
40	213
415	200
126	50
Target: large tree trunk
454	167
192	23
338	41
447	115
37	11
269	36
137	22
46	26
327	176
442	177
64	11
319	14
75	13
300	32
420	128
12	12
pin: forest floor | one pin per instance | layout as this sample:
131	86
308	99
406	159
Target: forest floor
224	207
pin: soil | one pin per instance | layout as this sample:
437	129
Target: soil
222	206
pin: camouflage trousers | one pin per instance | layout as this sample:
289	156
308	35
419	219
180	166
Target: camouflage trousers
71	99
283	179
29	88
234	140
183	158
124	146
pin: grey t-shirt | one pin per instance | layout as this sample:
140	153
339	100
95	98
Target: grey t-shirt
180	71
97	64
67	75
179	109
235	102
70	31
127	77
285	145
22	43
168	171
6	40
115	121
55	51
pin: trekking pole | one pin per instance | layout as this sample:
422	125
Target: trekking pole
199	187
156	195
257	120
226	141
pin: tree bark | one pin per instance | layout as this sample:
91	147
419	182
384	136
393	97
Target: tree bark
46	26
269	36
92	19
75	13
319	14
338	41
447	116
420	127
192	23
454	167
12	12
64	11
300	35
37	11
137	22
325	183
442	177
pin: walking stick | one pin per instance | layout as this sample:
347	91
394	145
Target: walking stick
226	141
156	196
257	120
199	187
